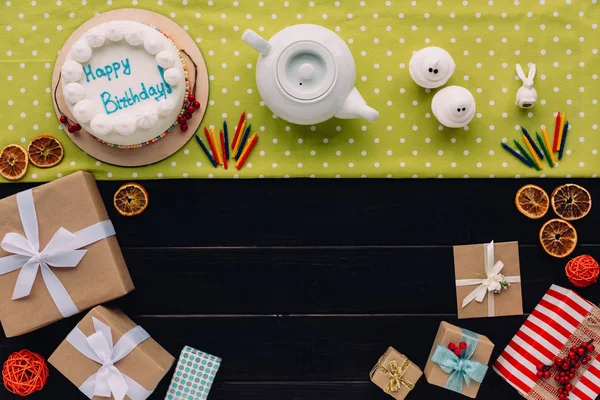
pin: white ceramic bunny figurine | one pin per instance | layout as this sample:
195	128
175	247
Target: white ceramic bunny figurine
526	95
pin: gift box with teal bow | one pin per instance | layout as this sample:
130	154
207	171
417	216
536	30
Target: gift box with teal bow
458	360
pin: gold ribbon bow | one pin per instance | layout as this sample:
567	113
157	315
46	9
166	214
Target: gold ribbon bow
395	374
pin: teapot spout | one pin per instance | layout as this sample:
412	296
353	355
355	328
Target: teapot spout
356	107
256	42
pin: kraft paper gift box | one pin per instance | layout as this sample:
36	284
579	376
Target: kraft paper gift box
194	375
488	280
462	374
108	356
59	254
395	374
562	319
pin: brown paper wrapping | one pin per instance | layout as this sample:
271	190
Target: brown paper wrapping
469	264
448	333
147	364
72	202
412	374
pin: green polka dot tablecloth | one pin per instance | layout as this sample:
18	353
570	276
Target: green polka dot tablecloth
485	38
194	375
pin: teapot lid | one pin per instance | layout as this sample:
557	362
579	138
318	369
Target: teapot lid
306	70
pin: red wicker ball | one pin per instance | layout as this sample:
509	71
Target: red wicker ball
582	270
24	372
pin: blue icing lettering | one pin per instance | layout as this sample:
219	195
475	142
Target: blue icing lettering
88	73
126	66
162	76
109	105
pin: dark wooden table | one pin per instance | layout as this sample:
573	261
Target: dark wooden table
300	285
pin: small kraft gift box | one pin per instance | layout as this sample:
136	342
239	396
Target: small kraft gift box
194	375
488	280
458	359
108	356
554	355
59	254
395	374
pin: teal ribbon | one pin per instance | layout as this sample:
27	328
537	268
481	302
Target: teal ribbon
460	368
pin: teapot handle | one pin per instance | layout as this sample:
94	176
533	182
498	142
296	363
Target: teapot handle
258	43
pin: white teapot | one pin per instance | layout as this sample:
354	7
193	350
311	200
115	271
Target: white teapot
305	74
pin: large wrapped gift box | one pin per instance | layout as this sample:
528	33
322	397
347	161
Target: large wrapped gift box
458	359
395	374
488	280
108	355
561	320
59	254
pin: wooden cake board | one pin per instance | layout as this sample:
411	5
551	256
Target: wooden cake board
170	143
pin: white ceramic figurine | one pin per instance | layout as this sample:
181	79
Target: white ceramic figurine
453	106
526	95
431	67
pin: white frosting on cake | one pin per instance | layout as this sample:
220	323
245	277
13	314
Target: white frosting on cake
73	92
124	83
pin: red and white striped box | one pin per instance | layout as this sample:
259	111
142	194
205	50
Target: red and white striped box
560	320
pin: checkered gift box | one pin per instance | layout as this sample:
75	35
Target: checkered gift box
194	375
562	319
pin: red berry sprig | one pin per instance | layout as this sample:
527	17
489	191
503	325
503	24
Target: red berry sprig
457	349
565	368
71	127
191	105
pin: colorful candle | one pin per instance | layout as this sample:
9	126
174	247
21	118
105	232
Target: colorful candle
532	143
547	141
210	157
560	130
237	130
544	149
211	144
555	146
525	154
215	140
563	140
532	152
242	143
223	147
226	140
251	143
517	155
239	139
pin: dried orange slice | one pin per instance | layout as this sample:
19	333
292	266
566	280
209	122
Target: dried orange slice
571	201
532	201
13	162
45	151
131	199
558	238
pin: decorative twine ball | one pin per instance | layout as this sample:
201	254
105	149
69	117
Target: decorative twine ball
582	271
24	372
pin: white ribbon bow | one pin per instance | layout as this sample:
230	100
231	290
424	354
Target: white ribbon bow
490	284
99	348
61	251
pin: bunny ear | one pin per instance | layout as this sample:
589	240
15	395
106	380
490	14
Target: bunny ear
531	72
520	72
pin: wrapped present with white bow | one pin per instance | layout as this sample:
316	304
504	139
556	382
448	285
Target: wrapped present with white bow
58	254
488	280
561	320
108	356
458	360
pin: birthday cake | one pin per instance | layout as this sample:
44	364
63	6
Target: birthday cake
125	84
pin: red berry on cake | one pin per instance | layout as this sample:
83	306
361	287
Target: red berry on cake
191	98
181	119
188	115
197	105
63	119
183	127
77	127
71	128
190	109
